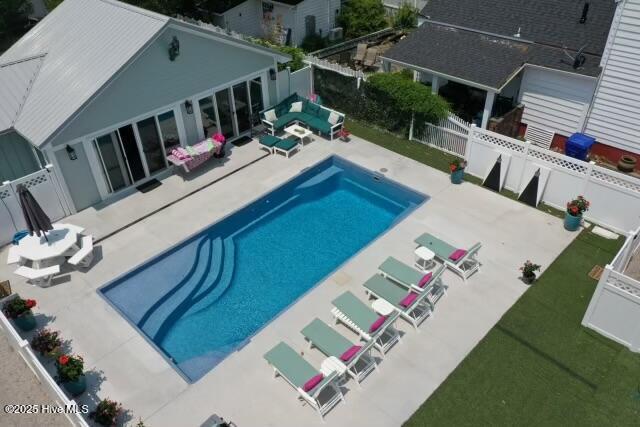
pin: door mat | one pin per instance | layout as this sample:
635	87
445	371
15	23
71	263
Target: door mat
596	272
242	141
148	186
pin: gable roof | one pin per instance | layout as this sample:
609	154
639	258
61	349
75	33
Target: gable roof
83	45
485	60
221	6
16	79
547	22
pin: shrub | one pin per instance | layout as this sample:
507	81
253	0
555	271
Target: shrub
362	17
46	342
313	42
70	368
296	54
107	413
17	307
406	17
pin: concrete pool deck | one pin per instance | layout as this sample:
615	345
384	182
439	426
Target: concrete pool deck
242	388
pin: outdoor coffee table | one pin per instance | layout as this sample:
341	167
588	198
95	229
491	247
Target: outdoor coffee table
298	131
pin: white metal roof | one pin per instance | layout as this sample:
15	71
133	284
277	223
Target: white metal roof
16	79
85	42
82	45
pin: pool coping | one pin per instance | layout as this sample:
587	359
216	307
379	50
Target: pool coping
376	174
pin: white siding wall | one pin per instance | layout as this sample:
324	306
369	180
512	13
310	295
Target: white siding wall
323	10
614	117
246	18
554	100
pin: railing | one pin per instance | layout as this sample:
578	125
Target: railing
332	66
21	346
450	135
332	50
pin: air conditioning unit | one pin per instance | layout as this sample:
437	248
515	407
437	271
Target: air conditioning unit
335	34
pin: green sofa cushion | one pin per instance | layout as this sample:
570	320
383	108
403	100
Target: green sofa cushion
287	144
310	108
321	125
323	114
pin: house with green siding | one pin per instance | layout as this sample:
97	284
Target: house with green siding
104	90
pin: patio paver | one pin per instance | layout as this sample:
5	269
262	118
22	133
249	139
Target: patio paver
241	388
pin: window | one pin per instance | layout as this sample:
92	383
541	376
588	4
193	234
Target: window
151	144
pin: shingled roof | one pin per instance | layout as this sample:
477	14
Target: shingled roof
479	58
548	22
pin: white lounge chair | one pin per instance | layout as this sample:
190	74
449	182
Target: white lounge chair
296	371
464	265
40	276
13	257
414	280
84	256
360	318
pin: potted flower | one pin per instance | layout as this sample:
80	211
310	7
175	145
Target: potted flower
529	272
106	413
457	170
71	374
19	310
344	134
46	342
575	209
219	138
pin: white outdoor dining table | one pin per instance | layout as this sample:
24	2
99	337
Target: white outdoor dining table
62	238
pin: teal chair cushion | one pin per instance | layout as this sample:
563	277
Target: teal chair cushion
310	108
321	125
323	114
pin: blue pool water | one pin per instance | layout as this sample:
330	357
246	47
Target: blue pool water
205	297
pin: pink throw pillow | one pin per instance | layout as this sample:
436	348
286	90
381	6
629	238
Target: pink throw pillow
457	254
409	299
348	355
425	279
376	325
313	382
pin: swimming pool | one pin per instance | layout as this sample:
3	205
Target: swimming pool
205	297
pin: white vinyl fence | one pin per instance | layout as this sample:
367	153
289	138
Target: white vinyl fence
614	310
615	197
45	187
21	346
295	82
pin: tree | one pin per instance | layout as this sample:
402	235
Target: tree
14	17
406	17
362	17
52	4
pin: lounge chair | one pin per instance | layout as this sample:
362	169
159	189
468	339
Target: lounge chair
415	280
412	306
361	50
356	358
462	262
360	318
287	363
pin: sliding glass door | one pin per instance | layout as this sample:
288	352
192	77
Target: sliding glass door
257	105
136	151
225	113
208	116
242	107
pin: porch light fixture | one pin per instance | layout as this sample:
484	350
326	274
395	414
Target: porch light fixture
272	73
71	153
188	106
174	48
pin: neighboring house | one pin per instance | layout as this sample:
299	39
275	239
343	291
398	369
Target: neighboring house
284	21
544	54
96	88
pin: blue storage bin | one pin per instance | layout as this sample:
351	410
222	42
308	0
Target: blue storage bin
578	146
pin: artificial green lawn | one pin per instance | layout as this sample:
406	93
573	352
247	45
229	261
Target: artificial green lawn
538	365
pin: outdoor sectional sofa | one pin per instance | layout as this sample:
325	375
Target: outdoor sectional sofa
320	119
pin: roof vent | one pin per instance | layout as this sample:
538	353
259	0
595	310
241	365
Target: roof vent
517	34
585	12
